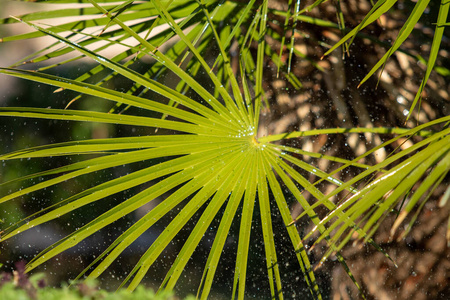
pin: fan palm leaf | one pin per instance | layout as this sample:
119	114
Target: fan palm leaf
216	160
212	164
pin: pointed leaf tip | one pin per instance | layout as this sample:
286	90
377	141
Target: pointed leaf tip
448	236
397	222
16	18
318	266
444	199
310	250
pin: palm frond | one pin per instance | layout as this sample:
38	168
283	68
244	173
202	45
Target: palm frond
372	203
206	161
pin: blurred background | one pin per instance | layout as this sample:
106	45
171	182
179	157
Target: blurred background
328	98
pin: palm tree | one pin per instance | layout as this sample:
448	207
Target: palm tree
200	100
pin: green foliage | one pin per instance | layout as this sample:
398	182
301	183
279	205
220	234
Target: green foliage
10	292
204	156
21	287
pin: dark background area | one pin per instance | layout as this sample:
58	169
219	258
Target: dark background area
329	98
